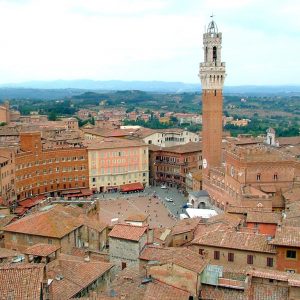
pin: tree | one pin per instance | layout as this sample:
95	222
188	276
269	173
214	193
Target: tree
52	116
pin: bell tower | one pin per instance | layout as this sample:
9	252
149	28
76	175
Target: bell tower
212	76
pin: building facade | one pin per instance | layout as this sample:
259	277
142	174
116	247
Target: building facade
212	75
172	165
48	171
116	162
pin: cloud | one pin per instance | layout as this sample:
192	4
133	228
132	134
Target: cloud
146	40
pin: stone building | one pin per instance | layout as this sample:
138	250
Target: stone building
7	175
49	171
116	162
172	165
54	226
228	246
287	242
253	176
4	113
126	243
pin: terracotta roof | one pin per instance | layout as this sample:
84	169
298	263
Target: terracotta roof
186	148
245	209
226	218
77	274
158	290
5	253
128	232
94	224
41	249
263	217
55	222
287	236
292	279
183	257
232	239
5	220
21	281
112	143
185	225
292	140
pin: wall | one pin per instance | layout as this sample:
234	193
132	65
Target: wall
7	175
182	238
127	251
284	263
20	241
108	169
240	256
268	229
41	171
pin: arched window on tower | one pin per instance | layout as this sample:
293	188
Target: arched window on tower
214	53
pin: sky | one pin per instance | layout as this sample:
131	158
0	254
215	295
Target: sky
148	40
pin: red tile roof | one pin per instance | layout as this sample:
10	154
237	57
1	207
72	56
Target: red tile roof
263	217
127	232
77	274
185	225
137	218
158	290
41	249
55	222
231	239
183	257
287	236
21	281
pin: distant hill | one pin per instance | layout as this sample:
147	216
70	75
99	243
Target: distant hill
68	88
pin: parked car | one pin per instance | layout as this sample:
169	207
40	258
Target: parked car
163	186
169	199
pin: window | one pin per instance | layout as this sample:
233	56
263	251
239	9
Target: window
217	255
123	265
201	251
258	177
275	176
292	254
186	237
250	259
49	241
230	256
269	262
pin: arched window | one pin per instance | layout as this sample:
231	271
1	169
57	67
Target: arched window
214	53
275	176
258	177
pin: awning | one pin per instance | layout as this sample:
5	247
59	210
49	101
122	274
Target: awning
86	192
136	186
20	210
67	192
31	201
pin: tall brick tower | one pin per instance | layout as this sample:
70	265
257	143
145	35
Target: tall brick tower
212	75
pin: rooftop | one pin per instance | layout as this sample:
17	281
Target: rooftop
41	249
263	217
185	225
232	239
128	232
21	281
112	143
55	222
75	273
287	236
181	256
